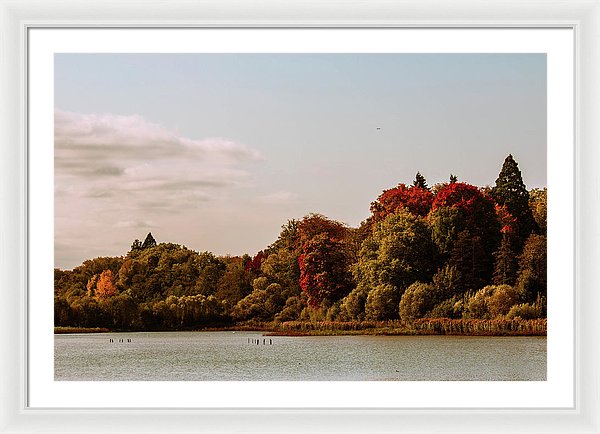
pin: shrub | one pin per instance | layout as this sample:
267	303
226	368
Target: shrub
416	301
450	308
352	307
382	303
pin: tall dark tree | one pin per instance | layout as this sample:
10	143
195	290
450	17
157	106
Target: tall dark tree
420	181
505	265
473	265
149	241
510	191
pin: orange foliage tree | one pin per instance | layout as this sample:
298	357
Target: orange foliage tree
105	287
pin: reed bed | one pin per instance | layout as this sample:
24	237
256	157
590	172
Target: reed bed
62	330
425	326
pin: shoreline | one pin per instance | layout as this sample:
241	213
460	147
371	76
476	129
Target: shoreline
419	327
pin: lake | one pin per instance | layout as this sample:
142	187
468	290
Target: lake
220	356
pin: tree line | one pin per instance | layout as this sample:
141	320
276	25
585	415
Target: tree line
452	250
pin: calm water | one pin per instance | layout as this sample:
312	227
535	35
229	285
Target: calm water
217	356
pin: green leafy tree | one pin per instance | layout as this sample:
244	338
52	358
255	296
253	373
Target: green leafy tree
136	245
491	302
400	251
382	303
352	307
235	283
418	299
538	202
532	276
263	303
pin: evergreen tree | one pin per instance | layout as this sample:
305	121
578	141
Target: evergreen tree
511	192
505	267
420	181
149	241
469	259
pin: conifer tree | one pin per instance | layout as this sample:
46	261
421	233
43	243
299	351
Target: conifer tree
149	241
505	266
420	181
511	192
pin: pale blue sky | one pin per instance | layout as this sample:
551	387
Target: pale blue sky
217	151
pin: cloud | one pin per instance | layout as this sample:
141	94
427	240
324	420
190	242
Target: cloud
133	224
125	173
108	136
278	197
101	153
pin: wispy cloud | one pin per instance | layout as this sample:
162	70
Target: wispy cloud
101	153
125	172
107	136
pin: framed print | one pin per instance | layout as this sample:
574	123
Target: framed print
225	203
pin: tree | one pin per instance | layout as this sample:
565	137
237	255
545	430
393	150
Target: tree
399	252
265	300
539	208
416	199
136	245
235	283
420	181
382	303
323	262
149	241
352	307
324	273
417	300
490	302
466	229
473	264
532	276
105	287
505	266
511	192
453	178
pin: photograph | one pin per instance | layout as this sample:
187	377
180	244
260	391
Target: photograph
363	217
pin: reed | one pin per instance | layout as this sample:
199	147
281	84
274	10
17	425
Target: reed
62	330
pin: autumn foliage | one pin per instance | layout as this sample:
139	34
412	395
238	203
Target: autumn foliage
416	199
324	274
460	259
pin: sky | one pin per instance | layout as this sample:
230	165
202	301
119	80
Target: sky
217	151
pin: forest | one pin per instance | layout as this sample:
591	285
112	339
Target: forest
444	256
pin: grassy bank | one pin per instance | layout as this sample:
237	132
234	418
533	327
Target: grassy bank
424	326
427	326
62	330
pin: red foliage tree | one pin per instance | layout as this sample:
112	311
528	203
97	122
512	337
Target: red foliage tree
416	199
323	262
477	235
477	208
253	264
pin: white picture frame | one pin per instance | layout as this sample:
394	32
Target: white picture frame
15	20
